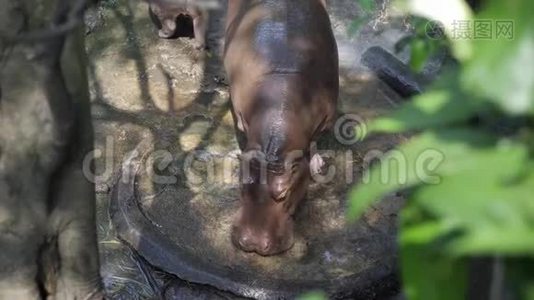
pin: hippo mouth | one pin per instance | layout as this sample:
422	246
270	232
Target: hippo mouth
272	187
264	241
264	224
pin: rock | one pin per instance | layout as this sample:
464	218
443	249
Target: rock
93	19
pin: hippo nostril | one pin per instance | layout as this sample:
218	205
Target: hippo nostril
248	243
245	242
266	246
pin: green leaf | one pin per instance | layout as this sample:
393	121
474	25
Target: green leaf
428	158
367	6
423	232
502	68
427	274
419	54
447	13
355	26
403	43
490	213
313	296
481	207
432	109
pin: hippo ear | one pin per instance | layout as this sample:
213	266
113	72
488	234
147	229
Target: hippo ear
323	2
241	123
316	164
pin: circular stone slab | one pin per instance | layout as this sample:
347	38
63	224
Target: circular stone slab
177	213
191	240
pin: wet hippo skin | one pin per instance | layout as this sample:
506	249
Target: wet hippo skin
282	64
165	13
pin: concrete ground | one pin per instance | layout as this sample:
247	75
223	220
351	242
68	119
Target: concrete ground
147	89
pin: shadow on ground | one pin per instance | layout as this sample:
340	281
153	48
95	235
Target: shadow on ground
169	97
146	89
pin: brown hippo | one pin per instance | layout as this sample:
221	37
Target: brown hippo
282	63
164	14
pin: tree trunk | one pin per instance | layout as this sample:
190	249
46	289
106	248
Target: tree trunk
48	242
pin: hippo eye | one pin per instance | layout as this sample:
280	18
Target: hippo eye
280	196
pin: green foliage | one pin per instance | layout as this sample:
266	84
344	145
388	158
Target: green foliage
428	274
367	8
430	110
313	296
471	186
501	70
367	5
424	43
444	12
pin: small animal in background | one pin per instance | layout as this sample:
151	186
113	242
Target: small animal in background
165	13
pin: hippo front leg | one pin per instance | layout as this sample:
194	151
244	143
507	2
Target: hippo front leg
200	28
239	126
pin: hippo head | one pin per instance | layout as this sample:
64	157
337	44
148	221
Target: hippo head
271	188
275	168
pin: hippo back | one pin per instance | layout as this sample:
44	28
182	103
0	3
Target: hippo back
295	37
281	55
